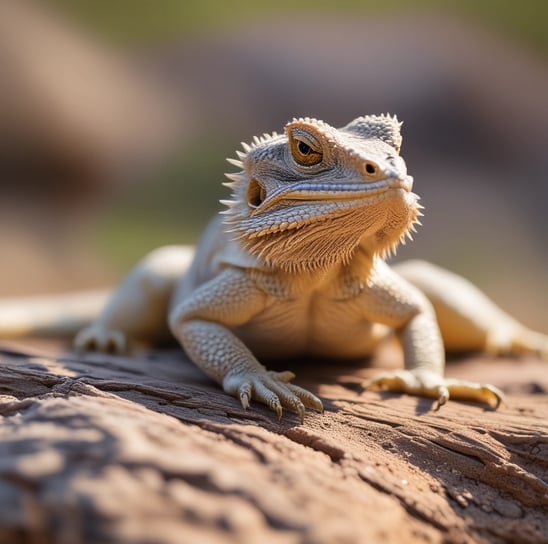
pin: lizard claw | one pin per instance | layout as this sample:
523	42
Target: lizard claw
274	390
431	385
245	393
98	338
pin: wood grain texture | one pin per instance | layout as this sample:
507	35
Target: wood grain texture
146	449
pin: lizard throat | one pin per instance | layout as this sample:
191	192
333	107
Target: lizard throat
298	235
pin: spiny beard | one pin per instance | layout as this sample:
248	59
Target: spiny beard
326	239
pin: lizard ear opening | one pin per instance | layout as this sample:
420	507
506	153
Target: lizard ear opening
256	193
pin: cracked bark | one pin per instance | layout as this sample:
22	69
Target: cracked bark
146	449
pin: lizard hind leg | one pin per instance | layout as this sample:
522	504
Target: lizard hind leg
468	319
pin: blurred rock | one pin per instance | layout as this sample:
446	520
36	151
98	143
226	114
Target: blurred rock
75	118
76	122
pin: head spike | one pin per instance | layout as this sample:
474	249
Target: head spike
235	162
235	176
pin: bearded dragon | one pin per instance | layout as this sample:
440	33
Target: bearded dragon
296	266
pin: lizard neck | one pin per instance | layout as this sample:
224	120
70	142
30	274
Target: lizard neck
340	280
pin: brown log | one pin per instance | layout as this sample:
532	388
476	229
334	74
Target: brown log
97	448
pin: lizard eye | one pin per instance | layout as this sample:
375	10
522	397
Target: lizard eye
304	149
305	153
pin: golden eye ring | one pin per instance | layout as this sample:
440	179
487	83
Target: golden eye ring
305	154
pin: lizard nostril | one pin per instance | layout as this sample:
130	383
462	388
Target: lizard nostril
370	169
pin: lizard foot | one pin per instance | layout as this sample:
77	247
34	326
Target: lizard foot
98	338
273	389
431	385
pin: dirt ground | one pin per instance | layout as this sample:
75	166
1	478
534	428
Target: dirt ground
145	449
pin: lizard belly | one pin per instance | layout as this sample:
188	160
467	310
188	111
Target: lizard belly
329	329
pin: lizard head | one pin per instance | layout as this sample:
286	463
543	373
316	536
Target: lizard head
308	198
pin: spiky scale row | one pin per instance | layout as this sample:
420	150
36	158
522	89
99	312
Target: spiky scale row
235	162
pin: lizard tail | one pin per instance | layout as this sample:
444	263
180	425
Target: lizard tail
52	315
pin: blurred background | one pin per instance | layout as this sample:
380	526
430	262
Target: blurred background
116	118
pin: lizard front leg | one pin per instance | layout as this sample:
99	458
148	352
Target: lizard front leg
424	361
391	300
202	323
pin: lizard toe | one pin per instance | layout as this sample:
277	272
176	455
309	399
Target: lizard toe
245	393
284	376
274	390
308	399
477	392
97	338
264	394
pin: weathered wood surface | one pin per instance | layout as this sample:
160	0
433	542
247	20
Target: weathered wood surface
147	450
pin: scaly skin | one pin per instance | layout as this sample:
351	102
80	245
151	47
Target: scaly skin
297	269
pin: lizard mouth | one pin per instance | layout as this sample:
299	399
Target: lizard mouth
260	201
302	227
292	208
